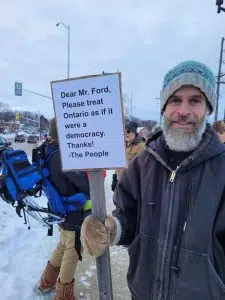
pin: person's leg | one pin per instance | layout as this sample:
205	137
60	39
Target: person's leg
65	282
57	255
52	269
70	258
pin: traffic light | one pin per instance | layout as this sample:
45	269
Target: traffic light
17	116
219	3
18	88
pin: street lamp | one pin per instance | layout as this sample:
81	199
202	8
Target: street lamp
68	49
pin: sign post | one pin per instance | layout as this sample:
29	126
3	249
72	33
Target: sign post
18	88
89	118
96	181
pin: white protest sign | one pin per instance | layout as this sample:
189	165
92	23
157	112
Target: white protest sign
90	122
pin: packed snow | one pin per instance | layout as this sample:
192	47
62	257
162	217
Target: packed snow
24	254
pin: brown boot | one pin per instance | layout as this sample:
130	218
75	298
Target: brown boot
64	291
48	278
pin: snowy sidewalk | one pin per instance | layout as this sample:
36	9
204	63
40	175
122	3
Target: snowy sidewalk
24	253
87	278
87	274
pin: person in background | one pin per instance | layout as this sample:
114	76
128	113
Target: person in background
154	134
134	146
60	269
219	127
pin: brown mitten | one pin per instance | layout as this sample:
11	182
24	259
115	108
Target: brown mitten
96	237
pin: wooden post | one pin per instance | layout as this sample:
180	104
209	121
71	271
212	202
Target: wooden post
97	191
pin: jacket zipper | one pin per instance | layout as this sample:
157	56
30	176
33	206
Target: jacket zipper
173	175
164	254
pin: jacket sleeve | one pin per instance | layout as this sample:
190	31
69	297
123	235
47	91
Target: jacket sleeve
219	240
127	199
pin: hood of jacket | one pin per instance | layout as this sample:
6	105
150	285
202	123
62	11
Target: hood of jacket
209	147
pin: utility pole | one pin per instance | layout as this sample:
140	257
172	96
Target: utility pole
160	115
39	126
219	76
131	106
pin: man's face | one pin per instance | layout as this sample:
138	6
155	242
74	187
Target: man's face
129	136
186	108
185	118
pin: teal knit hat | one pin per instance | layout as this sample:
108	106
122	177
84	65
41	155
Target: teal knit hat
189	73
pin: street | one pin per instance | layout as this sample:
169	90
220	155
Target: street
27	147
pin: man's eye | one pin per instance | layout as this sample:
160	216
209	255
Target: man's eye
195	101
174	100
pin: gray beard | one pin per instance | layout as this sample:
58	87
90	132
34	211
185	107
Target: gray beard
179	140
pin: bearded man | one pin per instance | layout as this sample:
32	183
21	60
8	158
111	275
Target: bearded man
170	202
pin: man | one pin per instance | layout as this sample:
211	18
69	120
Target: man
134	146
170	202
219	127
60	269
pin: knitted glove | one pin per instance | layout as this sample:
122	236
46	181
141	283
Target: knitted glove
96	236
114	182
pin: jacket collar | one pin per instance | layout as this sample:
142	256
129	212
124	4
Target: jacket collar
209	147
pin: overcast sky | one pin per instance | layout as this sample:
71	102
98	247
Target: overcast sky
143	39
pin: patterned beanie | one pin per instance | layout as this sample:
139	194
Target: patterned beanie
189	73
132	126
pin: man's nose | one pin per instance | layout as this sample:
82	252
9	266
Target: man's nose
183	109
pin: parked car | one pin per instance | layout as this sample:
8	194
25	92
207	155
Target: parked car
20	138
4	144
33	139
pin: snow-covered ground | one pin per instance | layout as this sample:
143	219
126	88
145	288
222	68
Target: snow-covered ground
24	253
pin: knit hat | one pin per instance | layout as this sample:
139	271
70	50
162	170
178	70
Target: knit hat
53	129
132	126
189	73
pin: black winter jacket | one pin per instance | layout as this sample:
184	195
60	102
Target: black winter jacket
68	184
174	223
